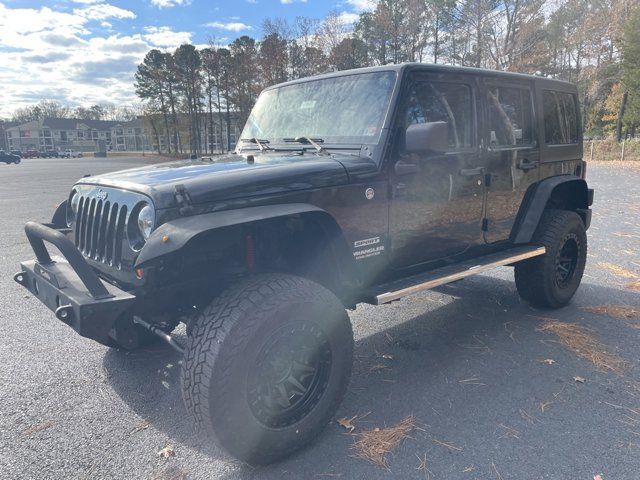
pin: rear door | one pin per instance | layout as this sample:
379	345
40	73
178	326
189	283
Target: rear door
512	154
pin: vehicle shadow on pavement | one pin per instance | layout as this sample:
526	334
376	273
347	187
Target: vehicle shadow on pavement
467	364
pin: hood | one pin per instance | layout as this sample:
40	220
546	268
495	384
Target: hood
228	177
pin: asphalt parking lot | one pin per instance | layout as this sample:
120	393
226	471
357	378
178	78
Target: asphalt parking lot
466	361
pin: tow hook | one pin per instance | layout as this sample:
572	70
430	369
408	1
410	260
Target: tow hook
159	332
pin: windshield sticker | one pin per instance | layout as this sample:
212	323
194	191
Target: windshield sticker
308	105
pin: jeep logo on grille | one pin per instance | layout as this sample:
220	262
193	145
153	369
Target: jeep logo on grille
102	195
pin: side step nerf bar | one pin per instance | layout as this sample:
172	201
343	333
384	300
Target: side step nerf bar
424	281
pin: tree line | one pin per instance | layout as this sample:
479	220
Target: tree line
594	43
191	93
53	109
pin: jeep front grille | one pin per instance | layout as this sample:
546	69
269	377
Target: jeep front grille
100	229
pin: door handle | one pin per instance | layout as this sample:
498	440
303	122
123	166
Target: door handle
525	164
471	172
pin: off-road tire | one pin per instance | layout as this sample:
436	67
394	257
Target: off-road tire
537	278
223	353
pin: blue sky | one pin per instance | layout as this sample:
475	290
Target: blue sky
85	51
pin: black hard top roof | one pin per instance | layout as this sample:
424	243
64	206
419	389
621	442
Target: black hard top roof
437	68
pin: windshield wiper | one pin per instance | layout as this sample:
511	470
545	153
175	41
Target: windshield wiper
261	143
314	142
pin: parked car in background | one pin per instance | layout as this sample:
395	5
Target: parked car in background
16	152
49	154
9	158
70	154
31	154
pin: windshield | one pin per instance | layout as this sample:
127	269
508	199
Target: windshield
344	110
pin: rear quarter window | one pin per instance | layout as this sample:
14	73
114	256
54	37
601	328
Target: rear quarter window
560	118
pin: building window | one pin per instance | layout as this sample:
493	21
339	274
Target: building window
63	136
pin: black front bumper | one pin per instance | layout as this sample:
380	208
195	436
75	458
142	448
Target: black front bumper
71	288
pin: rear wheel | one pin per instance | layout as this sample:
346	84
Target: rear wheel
267	364
552	279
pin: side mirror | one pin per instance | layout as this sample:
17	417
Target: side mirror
431	137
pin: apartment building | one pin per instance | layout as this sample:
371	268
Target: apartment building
59	134
137	135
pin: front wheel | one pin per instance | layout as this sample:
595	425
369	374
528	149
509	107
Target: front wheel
552	279
267	364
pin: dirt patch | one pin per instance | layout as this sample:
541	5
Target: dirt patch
374	445
623	312
618	270
585	345
633	286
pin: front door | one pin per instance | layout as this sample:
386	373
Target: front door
437	199
513	153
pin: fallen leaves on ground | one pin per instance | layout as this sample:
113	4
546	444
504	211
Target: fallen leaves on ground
347	423
38	428
549	361
448	445
624	312
374	445
633	286
167	452
141	426
585	345
579	379
544	405
618	270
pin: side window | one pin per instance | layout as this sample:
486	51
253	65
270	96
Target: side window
510	116
443	102
560	118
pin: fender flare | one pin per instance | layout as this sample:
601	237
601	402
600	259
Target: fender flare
535	202
59	219
183	230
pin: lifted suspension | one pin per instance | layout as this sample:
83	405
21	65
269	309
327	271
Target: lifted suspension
160	333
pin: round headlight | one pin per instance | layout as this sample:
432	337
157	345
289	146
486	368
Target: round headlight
72	207
146	219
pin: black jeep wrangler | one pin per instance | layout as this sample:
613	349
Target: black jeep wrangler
356	186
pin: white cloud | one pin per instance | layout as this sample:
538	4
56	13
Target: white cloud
289	2
165	37
69	57
362	5
230	26
87	2
348	18
170	3
103	11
